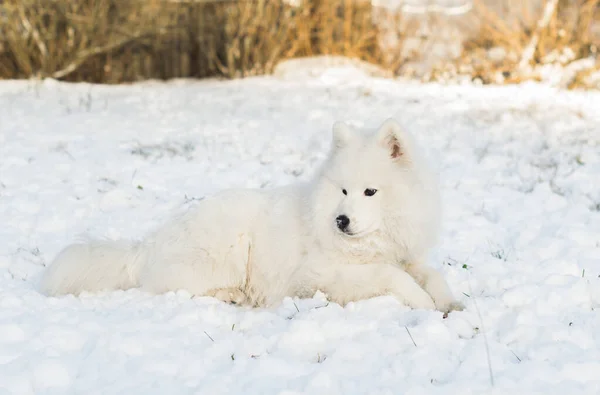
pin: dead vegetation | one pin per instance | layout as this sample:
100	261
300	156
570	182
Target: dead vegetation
114	41
514	40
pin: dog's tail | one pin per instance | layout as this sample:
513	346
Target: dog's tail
92	267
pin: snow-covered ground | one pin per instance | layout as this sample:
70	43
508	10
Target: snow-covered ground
521	244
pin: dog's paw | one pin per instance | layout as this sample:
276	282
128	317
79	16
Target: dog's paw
421	301
447	307
230	295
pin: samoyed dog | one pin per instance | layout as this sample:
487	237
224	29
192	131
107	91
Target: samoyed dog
361	228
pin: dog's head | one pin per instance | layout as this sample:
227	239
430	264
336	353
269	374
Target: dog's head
373	180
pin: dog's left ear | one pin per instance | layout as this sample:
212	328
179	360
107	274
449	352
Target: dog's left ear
342	134
391	136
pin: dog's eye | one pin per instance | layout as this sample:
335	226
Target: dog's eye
345	192
370	192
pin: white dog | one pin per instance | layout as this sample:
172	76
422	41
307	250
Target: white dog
361	228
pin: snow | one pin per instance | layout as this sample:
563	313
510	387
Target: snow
521	243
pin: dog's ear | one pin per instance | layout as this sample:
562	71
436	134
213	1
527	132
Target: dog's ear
342	134
391	136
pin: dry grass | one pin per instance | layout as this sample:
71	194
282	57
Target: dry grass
503	34
62	39
113	41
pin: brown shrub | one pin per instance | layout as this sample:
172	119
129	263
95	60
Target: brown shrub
125	40
112	41
510	27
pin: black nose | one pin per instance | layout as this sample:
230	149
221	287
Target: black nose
342	222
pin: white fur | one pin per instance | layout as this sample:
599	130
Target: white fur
258	246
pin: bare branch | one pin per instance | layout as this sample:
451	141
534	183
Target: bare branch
85	55
529	50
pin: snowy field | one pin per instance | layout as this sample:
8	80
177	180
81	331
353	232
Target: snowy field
521	244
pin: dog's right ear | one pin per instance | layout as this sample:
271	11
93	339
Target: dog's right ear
342	134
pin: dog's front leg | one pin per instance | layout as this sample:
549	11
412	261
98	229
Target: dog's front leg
434	283
345	283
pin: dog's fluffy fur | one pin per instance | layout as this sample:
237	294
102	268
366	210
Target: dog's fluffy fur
258	246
